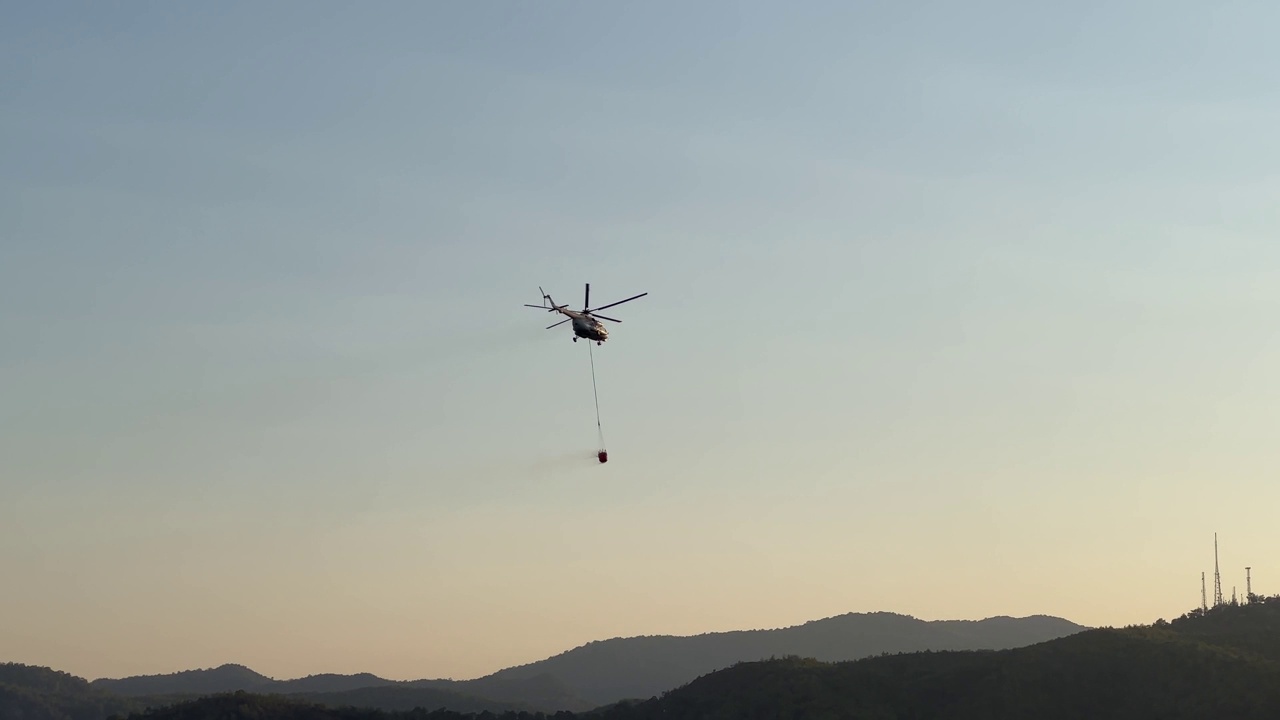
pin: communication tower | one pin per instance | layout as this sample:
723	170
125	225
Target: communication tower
1248	585
1217	577
1204	602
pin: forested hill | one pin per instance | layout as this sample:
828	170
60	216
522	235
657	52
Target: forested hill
1218	665
537	692
212	680
641	667
38	693
637	667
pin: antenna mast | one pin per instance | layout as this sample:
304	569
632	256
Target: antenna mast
1217	577
1204	602
1248	586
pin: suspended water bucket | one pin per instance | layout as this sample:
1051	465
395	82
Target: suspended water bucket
603	456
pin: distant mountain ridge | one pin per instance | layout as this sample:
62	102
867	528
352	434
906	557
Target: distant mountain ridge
1214	663
606	671
539	691
1210	663
224	678
38	693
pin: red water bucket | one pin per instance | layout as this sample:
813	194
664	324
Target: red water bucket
603	456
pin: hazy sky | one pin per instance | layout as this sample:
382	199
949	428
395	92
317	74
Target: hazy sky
956	310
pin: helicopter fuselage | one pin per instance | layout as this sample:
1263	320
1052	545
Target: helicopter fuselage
585	326
589	328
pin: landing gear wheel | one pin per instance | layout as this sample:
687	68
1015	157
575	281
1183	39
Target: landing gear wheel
575	339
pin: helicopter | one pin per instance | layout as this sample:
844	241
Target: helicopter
585	324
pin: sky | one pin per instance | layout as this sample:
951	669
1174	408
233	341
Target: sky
955	310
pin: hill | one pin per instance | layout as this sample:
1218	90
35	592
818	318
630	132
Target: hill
1220	664
637	667
541	692
1097	674
223	678
641	667
38	693
538	692
399	698
326	683
1252	627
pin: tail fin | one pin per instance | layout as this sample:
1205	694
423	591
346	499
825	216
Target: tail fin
547	299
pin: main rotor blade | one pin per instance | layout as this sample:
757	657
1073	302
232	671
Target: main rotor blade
586	299
604	318
559	323
602	307
540	307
